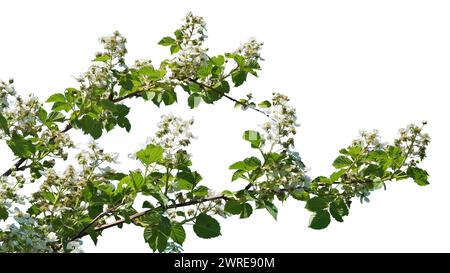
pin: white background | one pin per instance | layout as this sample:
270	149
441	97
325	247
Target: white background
347	65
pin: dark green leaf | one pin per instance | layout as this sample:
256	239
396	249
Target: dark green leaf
90	126
272	209
233	206
320	220
420	176
316	204
157	236
4	124
239	77
206	227
246	210
178	233
3	213
169	97
338	209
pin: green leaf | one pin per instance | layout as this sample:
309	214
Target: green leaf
103	58
4	124
206	227
264	104
233	206
335	176
3	213
178	233
246	211
300	194
137	181
178	34
248	164
194	87
218	60
21	147
58	106
167	41
223	87
200	191
316	204
194	100
228	194
58	97
123	122
272	209
420	176
338	209
187	180
341	162
238	77
151	154
157	236
42	114
55	117
373	170
174	49
169	97
320	220
152	73
253	137
203	71
90	126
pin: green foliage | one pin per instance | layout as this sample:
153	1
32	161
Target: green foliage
206	227
420	176
21	147
253	137
151	154
320	220
100	197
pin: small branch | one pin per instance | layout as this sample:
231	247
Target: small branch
17	165
128	96
14	167
231	98
83	233
98	217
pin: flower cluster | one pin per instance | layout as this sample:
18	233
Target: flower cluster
6	90
369	140
100	75
173	134
251	50
192	55
193	31
23	115
115	45
414	141
280	131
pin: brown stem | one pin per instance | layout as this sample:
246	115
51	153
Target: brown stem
83	233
